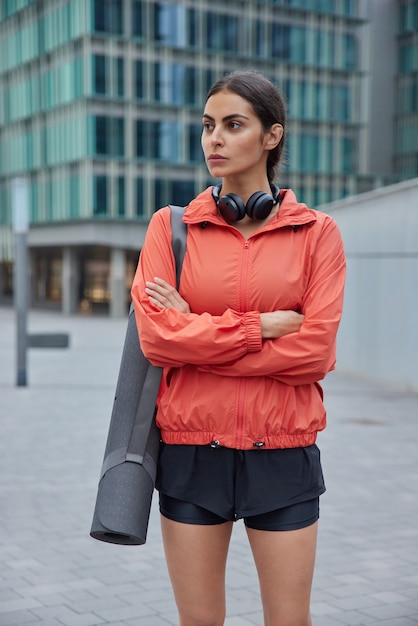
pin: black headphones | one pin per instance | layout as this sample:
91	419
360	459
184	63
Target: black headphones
258	206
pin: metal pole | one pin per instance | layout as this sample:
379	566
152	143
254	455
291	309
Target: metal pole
20	228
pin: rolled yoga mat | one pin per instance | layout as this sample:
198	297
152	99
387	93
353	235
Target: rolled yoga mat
129	468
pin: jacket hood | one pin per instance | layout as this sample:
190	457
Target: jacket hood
291	212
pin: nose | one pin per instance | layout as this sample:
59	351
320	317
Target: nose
216	137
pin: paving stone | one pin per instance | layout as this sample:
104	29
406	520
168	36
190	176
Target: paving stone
53	436
14	618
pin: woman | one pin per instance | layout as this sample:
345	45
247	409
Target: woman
243	345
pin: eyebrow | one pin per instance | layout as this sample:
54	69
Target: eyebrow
233	116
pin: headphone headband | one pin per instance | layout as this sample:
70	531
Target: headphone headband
258	206
275	192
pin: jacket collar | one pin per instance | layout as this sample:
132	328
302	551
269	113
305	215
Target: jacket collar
291	212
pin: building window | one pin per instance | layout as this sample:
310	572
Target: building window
280	42
108	16
108	75
160	193
192	17
139	198
191	82
170	24
138	22
348	160
100	195
260	39
101	135
195	149
165	141
181	192
141	138
175	83
121	195
222	32
99	74
119	71
109	136
139	79
341	103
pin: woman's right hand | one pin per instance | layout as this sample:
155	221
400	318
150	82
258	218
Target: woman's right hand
279	323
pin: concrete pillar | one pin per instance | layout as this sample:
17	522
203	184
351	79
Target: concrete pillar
70	277
117	282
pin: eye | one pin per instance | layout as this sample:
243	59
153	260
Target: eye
207	126
234	125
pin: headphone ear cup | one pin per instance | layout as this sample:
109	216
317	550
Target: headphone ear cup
259	205
231	207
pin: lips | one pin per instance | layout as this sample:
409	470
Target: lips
216	158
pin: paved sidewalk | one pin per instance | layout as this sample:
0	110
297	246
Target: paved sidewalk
53	434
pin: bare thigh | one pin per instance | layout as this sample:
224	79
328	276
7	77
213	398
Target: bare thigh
196	560
285	564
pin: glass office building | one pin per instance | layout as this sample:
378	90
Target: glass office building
406	149
100	108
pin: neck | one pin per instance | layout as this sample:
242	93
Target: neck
243	187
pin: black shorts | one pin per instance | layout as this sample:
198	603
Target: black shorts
290	517
269	489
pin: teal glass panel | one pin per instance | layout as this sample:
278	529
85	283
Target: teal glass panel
320	101
209	79
117	134
213	32
99	74
100	195
161	81
138	19
120	74
190	87
101	135
181	192
33	201
192	33
195	149
108	16
260	39
298	44
139	80
350	52
109	136
280	42
348	155
340	103
170	24
160	193
139	198
121	202
78	77
228	25
141	138
409	16
74	197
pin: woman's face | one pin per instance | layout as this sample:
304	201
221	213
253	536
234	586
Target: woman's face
233	140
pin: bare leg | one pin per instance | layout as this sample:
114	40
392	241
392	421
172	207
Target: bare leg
285	564
196	559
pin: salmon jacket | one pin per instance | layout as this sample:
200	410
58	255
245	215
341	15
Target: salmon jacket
222	383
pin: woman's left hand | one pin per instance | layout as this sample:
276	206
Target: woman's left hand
164	296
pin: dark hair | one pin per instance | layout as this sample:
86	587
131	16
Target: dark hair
266	100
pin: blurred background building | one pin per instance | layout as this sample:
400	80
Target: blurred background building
101	102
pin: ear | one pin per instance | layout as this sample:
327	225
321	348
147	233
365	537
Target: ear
274	136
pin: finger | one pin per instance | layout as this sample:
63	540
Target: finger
156	303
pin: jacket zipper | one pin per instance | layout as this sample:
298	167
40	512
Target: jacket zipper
242	383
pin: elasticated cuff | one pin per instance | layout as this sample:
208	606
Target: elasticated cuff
253	331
